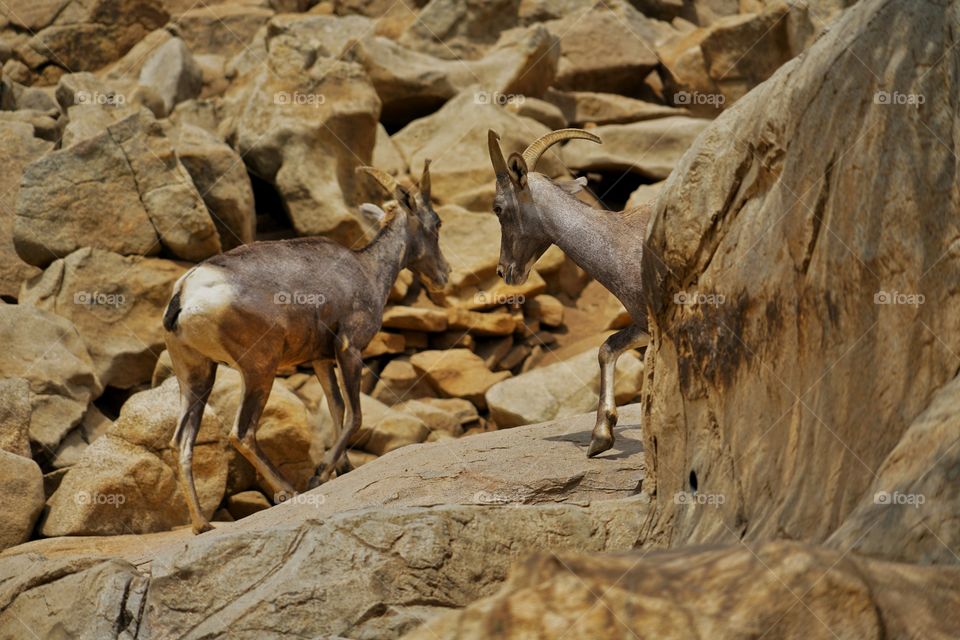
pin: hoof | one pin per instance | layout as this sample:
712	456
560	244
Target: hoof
314	482
202	528
599	444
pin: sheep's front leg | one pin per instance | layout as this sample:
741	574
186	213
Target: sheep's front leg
351	366
611	350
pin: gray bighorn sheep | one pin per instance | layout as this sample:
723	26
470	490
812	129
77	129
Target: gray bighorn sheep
535	212
267	305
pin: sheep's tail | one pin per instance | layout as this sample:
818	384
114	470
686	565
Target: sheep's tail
172	313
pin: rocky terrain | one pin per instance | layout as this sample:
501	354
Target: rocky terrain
786	462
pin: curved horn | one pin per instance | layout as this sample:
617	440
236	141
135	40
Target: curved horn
386	180
425	180
544	142
496	154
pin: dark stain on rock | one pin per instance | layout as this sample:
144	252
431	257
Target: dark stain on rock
710	344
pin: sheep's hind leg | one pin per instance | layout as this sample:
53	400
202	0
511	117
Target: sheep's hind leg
195	373
602	437
351	366
327	375
244	435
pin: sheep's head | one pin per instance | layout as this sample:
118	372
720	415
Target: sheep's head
522	237
422	225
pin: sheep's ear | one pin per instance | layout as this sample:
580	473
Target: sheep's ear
374	212
573	187
518	169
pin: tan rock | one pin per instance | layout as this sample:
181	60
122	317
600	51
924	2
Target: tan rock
15	416
172	73
386	155
705	387
400	381
246	503
115	302
385	342
414	318
496	323
385	429
21	498
650	148
359	458
583	107
224	29
125	482
221	178
844	596
560	390
547	309
460	30
471	261
435	418
46	350
643	194
457	373
22	148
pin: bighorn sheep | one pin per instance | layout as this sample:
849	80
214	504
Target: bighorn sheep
272	304
535	212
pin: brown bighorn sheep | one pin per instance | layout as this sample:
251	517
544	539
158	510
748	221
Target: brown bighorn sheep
535	212
267	305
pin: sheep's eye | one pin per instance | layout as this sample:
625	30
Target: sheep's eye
497	209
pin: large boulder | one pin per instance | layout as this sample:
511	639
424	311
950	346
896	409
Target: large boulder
560	390
126	481
460	29
46	350
305	122
133	166
221	178
779	276
21	498
172	73
457	373
650	148
116	303
21	148
783	590
15	416
411	83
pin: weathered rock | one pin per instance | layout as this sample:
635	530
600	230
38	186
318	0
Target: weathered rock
676	595
386	155
460	29
224	29
247	503
126	481
15	416
435	418
172	72
587	65
415	318
385	429
21	148
471	260
46	350
21	498
547	309
560	390
84	36
411	83
481	324
766	436
115	302
219	174
133	166
583	107
650	148
304	123
457	373
643	194
458	134
400	381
